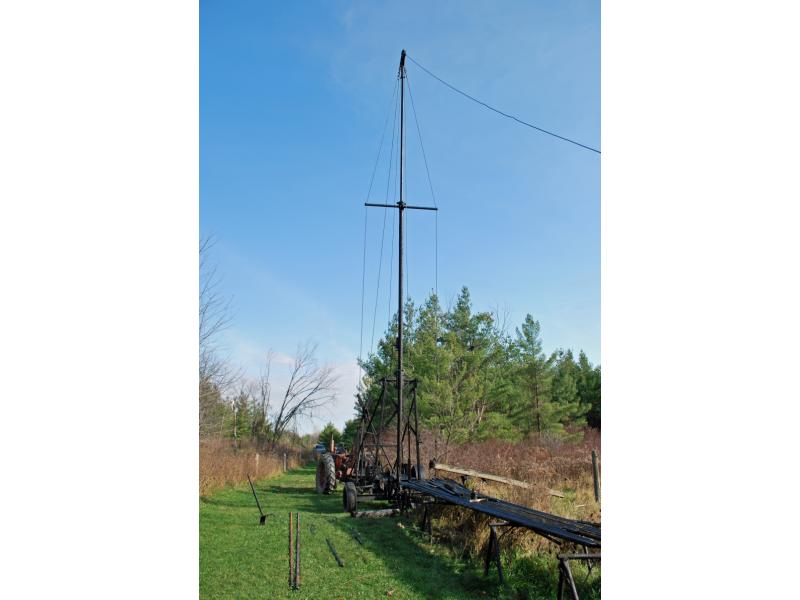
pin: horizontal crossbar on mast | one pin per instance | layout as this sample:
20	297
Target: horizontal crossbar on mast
399	206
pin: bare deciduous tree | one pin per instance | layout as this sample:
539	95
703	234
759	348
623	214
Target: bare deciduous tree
310	387
260	392
215	374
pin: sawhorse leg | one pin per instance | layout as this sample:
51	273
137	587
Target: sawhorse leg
493	552
565	576
425	525
565	573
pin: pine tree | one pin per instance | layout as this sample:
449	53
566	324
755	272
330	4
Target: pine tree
427	357
475	382
328	432
589	389
569	409
536	411
350	432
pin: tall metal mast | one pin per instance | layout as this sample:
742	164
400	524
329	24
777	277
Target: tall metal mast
401	206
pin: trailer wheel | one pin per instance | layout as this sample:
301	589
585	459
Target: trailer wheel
350	497
326	474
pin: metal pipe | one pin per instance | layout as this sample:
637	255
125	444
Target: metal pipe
291	556
335	555
358	537
297	554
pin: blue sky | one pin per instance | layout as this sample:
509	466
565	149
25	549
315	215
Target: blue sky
293	98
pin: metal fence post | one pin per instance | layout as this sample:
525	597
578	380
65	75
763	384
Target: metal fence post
291	554
284	462
297	553
595	476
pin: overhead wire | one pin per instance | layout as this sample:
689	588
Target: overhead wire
500	112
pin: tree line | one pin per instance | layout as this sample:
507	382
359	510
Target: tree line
477	381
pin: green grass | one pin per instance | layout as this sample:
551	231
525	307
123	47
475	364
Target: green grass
240	559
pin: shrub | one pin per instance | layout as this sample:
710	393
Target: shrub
222	464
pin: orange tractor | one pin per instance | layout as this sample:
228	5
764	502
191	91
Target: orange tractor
334	465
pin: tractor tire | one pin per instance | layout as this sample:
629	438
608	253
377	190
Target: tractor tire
326	474
350	497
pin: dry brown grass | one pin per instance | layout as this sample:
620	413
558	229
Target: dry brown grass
544	463
222	465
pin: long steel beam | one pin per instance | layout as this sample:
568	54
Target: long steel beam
579	532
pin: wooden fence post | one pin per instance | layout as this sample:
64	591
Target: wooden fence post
595	476
284	462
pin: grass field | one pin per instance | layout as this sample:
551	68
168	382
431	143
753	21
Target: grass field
240	559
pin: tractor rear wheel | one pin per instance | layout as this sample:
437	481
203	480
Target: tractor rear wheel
350	497
326	474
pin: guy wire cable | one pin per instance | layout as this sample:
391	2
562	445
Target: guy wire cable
500	112
383	234
433	195
364	252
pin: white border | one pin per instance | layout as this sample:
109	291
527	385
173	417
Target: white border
700	138
98	238
99	228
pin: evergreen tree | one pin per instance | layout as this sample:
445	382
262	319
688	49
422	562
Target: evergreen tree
328	432
589	389
475	382
427	357
569	409
235	417
474	350
349	433
536	412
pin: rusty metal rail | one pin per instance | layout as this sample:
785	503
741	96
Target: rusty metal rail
550	526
